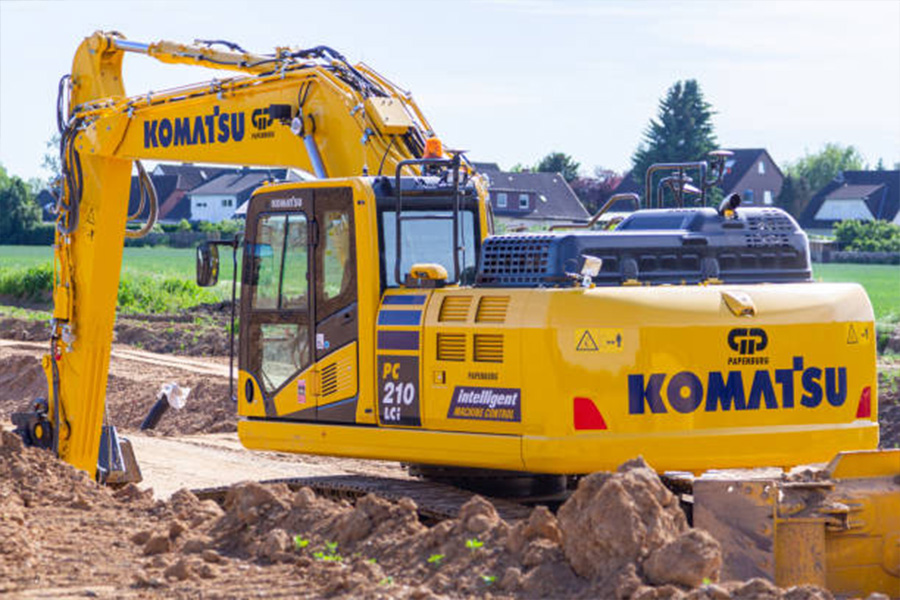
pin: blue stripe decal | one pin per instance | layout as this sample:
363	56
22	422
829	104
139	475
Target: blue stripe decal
408	299
398	340
399	317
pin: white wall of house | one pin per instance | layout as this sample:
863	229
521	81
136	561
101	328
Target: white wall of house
839	209
212	207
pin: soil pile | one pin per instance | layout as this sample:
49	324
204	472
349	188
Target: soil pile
24	330
60	531
201	331
130	392
889	406
628	522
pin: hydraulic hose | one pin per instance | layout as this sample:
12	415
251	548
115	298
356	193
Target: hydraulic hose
148	191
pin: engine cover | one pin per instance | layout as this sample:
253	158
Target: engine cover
665	246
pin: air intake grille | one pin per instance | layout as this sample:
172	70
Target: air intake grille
769	228
512	259
329	380
455	308
488	347
451	346
492	309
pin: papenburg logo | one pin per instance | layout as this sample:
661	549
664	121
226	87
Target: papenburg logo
748	342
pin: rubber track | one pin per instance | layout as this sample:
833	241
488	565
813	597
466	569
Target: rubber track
435	501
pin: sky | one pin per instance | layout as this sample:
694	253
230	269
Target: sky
511	80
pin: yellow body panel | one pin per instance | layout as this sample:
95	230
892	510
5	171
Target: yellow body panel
793	401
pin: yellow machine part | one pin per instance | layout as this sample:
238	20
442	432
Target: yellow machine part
579	380
839	529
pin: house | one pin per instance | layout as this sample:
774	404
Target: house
533	199
861	195
753	174
175	206
750	172
164	185
220	198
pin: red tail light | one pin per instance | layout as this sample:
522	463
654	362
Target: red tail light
865	404
586	415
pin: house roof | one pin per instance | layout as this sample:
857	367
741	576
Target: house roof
740	163
556	200
879	189
189	175
239	182
483	167
164	186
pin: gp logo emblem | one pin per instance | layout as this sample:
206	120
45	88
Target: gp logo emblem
260	119
748	342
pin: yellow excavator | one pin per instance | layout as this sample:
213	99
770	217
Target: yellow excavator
379	318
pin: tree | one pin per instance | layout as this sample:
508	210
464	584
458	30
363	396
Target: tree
820	168
558	162
50	161
682	131
795	195
594	191
18	209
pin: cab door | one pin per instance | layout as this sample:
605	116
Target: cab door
335	306
277	306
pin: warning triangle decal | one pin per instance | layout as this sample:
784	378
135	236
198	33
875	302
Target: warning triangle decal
586	343
851	336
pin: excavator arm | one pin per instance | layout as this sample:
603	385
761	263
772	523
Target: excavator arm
307	109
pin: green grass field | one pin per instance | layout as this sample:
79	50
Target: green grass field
882	282
153	279
161	262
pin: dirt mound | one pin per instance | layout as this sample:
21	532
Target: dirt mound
200	338
22	380
130	393
202	331
648	518
25	330
889	405
60	530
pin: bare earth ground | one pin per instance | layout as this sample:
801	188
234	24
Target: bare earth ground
63	536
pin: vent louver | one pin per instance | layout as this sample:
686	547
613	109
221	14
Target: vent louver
488	347
455	309
330	380
451	346
492	309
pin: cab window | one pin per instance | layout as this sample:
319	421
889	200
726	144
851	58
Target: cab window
279	260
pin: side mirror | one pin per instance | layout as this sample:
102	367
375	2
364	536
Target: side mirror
207	264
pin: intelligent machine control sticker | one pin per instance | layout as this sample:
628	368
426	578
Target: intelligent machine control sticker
599	340
398	390
486	404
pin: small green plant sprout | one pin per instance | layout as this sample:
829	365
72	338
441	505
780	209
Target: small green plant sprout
489	579
707	581
389	580
435	559
474	544
331	555
371	561
300	542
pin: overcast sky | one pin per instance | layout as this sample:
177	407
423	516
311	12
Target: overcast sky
513	80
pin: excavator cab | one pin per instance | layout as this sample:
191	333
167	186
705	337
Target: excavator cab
317	258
